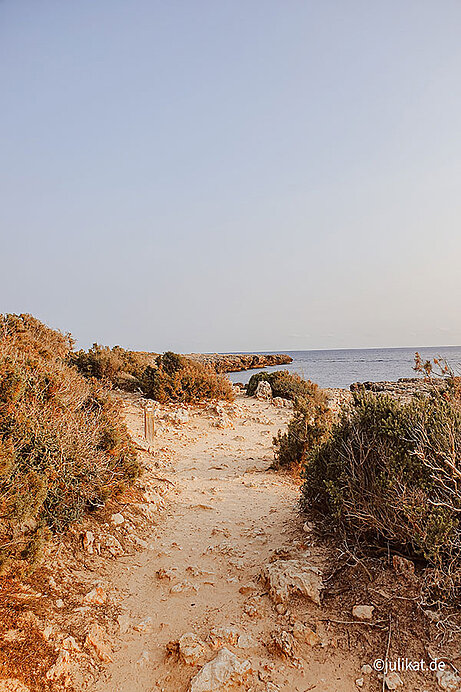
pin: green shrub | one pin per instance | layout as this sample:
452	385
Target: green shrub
63	445
309	426
390	472
283	383
122	368
177	378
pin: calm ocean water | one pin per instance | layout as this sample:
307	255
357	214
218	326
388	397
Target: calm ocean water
342	367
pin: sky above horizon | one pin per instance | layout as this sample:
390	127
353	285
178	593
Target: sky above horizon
233	176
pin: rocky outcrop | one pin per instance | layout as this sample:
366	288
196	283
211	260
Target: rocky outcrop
235	362
404	388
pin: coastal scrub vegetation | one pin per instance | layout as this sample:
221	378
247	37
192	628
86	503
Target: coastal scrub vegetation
389	473
177	378
309	427
117	366
284	384
64	448
168	377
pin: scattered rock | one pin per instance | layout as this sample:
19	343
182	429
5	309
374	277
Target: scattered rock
96	596
448	680
12	685
183	586
220	636
113	545
366	669
393	680
117	519
221	673
360	682
263	390
143	659
286	577
97	639
363	612
165	574
403	566
305	635
88	541
70	644
144	626
59	603
191	649
283	643
62	669
249	588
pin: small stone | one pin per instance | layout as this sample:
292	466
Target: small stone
96	596
88	541
393	680
363	612
98	640
12	685
117	519
448	680
144	626
143	659
113	546
249	588
191	649
59	603
304	634
183	586
366	669
165	574
245	641
70	644
403	566
360	682
61	669
281	609
284	643
223	635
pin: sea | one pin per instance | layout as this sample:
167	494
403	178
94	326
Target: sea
342	367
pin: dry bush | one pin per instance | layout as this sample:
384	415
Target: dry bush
177	378
284	384
122	368
309	427
63	446
390	473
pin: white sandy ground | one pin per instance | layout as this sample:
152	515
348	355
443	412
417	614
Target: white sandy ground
227	514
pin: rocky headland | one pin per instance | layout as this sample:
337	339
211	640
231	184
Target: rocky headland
235	362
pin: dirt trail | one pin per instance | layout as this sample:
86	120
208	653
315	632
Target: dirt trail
226	515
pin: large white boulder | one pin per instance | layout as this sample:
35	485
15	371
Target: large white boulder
286	577
263	390
221	673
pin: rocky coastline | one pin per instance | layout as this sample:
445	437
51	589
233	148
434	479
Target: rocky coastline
236	362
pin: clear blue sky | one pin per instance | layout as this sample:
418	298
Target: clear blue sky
233	175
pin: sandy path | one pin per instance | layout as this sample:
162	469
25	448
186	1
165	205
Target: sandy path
225	517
